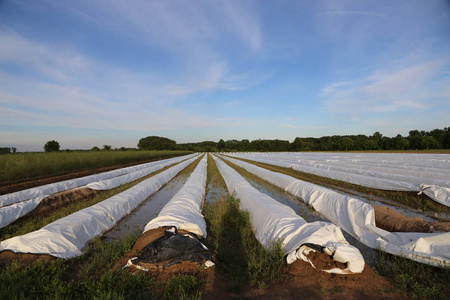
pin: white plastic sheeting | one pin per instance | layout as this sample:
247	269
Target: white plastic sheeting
274	221
358	219
66	237
183	211
428	176
18	208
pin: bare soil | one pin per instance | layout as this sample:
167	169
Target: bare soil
301	282
26	259
305	282
388	219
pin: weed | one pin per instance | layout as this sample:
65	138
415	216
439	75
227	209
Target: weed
183	287
241	255
414	279
95	278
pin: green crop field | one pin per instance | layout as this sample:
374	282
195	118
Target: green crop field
29	166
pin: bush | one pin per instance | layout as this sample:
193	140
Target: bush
51	146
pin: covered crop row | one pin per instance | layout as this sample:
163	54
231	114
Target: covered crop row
184	210
274	221
16	205
67	236
358	219
429	174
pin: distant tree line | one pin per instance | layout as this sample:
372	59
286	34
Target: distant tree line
416	140
6	150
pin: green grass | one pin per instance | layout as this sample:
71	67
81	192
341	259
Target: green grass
183	287
410	199
89	276
240	255
416	280
31	166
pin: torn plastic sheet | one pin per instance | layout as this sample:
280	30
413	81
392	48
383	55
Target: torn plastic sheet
12	212
367	174
171	249
358	219
274	221
66	237
184	210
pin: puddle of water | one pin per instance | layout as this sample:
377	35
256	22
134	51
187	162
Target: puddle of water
147	210
214	192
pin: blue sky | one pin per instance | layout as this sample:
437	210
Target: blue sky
89	73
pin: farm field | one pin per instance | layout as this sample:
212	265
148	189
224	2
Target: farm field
24	170
244	268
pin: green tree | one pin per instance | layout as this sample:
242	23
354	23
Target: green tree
297	144
107	147
429	142
400	142
156	143
51	146
221	145
371	145
346	143
95	148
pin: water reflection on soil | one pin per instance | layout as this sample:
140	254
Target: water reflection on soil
147	210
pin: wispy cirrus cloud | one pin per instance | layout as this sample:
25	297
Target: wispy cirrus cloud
390	89
347	12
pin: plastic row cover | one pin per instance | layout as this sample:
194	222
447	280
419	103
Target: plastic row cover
61	186
10	213
66	237
184	210
358	219
374	179
412	174
273	221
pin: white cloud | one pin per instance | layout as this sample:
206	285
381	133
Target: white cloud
390	89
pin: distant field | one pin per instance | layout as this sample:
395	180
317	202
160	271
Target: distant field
30	166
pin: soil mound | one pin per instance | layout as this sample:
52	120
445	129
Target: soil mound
161	248
26	259
323	261
390	220
57	201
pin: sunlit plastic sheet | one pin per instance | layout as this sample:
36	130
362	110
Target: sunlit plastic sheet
358	219
183	211
438	189
12	212
66	237
274	221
